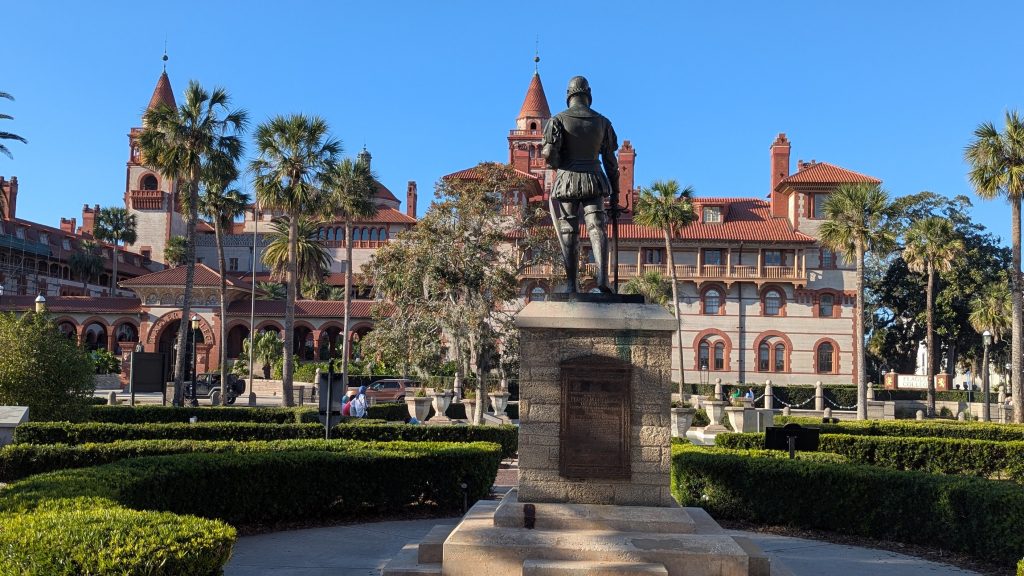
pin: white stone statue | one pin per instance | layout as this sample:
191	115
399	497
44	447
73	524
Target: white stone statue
922	359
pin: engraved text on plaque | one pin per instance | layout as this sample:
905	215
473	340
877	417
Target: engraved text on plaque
594	433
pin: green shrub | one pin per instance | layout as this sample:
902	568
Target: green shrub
701	418
105	362
1020	568
111	540
42	369
928	428
275	486
389	411
982	458
97	432
149	413
969	515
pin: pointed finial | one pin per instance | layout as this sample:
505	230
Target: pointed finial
165	54
536	55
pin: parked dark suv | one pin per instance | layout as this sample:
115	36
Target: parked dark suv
208	384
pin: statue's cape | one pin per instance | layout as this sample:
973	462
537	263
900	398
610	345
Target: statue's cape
579	112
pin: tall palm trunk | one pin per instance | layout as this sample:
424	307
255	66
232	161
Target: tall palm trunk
190	274
675	305
1017	329
932	356
113	279
224	388
348	305
858	332
289	311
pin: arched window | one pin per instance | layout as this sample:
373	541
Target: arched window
533	125
702	356
149	182
712	301
719	356
773	355
772	303
762	357
383	234
825	305
826	358
373	235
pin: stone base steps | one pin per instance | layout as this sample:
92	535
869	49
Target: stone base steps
585	568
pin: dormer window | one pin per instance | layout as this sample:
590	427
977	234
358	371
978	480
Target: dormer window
44	238
66	244
712	214
20	233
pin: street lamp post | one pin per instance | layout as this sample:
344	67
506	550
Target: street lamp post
195	327
986	340
252	303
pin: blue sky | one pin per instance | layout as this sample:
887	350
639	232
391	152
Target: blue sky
891	89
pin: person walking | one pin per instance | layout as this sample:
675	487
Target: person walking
359	403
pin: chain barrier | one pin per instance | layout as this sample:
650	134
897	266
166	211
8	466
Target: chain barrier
838	407
788	405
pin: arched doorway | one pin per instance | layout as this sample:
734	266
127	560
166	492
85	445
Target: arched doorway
330	342
303	346
95	337
167	344
235	337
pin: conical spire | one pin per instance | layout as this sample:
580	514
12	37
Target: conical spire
162	94
536	103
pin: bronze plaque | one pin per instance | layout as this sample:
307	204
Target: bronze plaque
594	433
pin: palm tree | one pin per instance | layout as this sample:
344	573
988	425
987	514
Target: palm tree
652	285
991	311
931	246
267	351
86	263
294	154
855	217
8	135
314	260
668	208
271	291
352	187
177	142
115	226
176	251
997	170
221	205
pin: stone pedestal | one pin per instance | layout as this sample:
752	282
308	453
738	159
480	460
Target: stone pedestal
594	463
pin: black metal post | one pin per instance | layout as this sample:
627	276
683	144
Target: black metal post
195	400
792	447
986	416
330	384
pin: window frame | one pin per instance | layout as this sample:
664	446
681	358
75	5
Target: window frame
711	214
704	301
779	302
832	358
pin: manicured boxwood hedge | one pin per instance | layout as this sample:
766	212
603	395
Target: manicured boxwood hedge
927	428
71	433
983	458
274	486
149	413
87	521
80	538
968	515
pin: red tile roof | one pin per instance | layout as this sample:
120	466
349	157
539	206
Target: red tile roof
162	94
535	105
825	173
474	174
69	304
204	276
747	220
388	216
303	308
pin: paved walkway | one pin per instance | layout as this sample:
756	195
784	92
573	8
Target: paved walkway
363	549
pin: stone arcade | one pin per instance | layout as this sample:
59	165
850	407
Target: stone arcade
594	463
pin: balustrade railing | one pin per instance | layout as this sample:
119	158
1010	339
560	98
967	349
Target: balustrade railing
689	271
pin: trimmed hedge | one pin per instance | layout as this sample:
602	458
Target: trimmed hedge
156	414
1020	568
927	428
982	458
83	539
19	461
274	486
968	515
87	521
95	432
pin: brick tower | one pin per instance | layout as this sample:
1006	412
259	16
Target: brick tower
150	196
524	141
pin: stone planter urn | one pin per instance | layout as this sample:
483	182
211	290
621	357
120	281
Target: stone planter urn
419	406
499	401
469	403
440	401
742	419
682	418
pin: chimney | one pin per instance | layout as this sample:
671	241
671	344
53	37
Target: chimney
9	189
410	199
68	225
627	157
88	219
780	169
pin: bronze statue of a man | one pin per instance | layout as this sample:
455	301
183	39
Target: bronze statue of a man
573	139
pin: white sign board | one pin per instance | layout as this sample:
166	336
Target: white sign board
913	382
